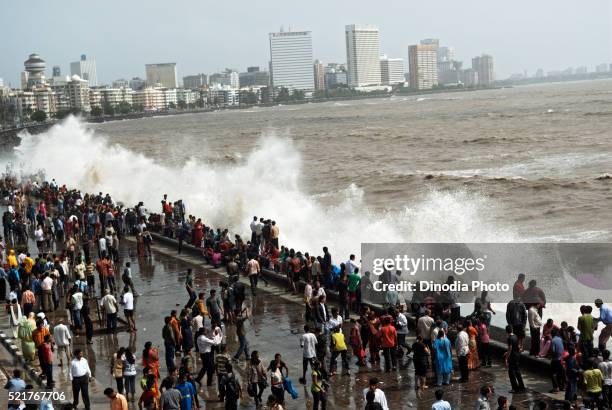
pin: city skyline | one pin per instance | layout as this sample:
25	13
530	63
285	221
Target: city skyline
518	40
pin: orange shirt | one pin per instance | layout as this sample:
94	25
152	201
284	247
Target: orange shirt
38	336
388	336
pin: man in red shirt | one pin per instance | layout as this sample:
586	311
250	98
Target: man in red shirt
388	342
45	354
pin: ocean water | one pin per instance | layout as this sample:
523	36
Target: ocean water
526	164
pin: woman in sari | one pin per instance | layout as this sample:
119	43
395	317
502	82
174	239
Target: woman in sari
198	233
24	333
444	359
150	360
473	360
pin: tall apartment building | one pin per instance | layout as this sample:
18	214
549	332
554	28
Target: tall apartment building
194	82
291	60
391	70
319	75
77	92
85	68
163	74
363	55
486	71
254	77
423	66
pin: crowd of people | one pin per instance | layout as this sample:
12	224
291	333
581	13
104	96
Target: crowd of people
78	265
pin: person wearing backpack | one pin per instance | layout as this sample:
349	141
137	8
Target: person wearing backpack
232	389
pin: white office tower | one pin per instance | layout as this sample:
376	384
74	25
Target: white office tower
291	60
85	68
391	70
363	55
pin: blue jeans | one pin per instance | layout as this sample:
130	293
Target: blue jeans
244	347
570	390
170	352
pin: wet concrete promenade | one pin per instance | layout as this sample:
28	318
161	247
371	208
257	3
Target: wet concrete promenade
276	326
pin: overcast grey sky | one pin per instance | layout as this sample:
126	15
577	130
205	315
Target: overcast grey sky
205	36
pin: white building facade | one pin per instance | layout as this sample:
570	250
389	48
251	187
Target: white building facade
391	70
291	60
163	75
85	68
363	55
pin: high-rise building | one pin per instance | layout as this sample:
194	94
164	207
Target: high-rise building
423	65
85	68
391	70
137	83
363	55
34	73
57	71
446	54
163	74
484	66
468	77
319	75
291	60
194	82
254	77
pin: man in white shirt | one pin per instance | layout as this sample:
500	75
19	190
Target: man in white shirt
462	352
440	404
401	323
254	230
335	320
47	288
109	304
128	307
102	249
80	375
379	395
62	337
535	324
308	342
76	301
205	344
350	265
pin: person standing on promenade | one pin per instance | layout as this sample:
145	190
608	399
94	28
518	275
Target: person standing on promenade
379	395
444	359
463	349
512	358
80	376
516	316
535	324
274	234
117	401
519	287
241	333
586	326
213	305
606	370
308	343
572	373
534	295
253	270
605	317
110	306
205	344
127	300
388	342
557	373
169	344
62	338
